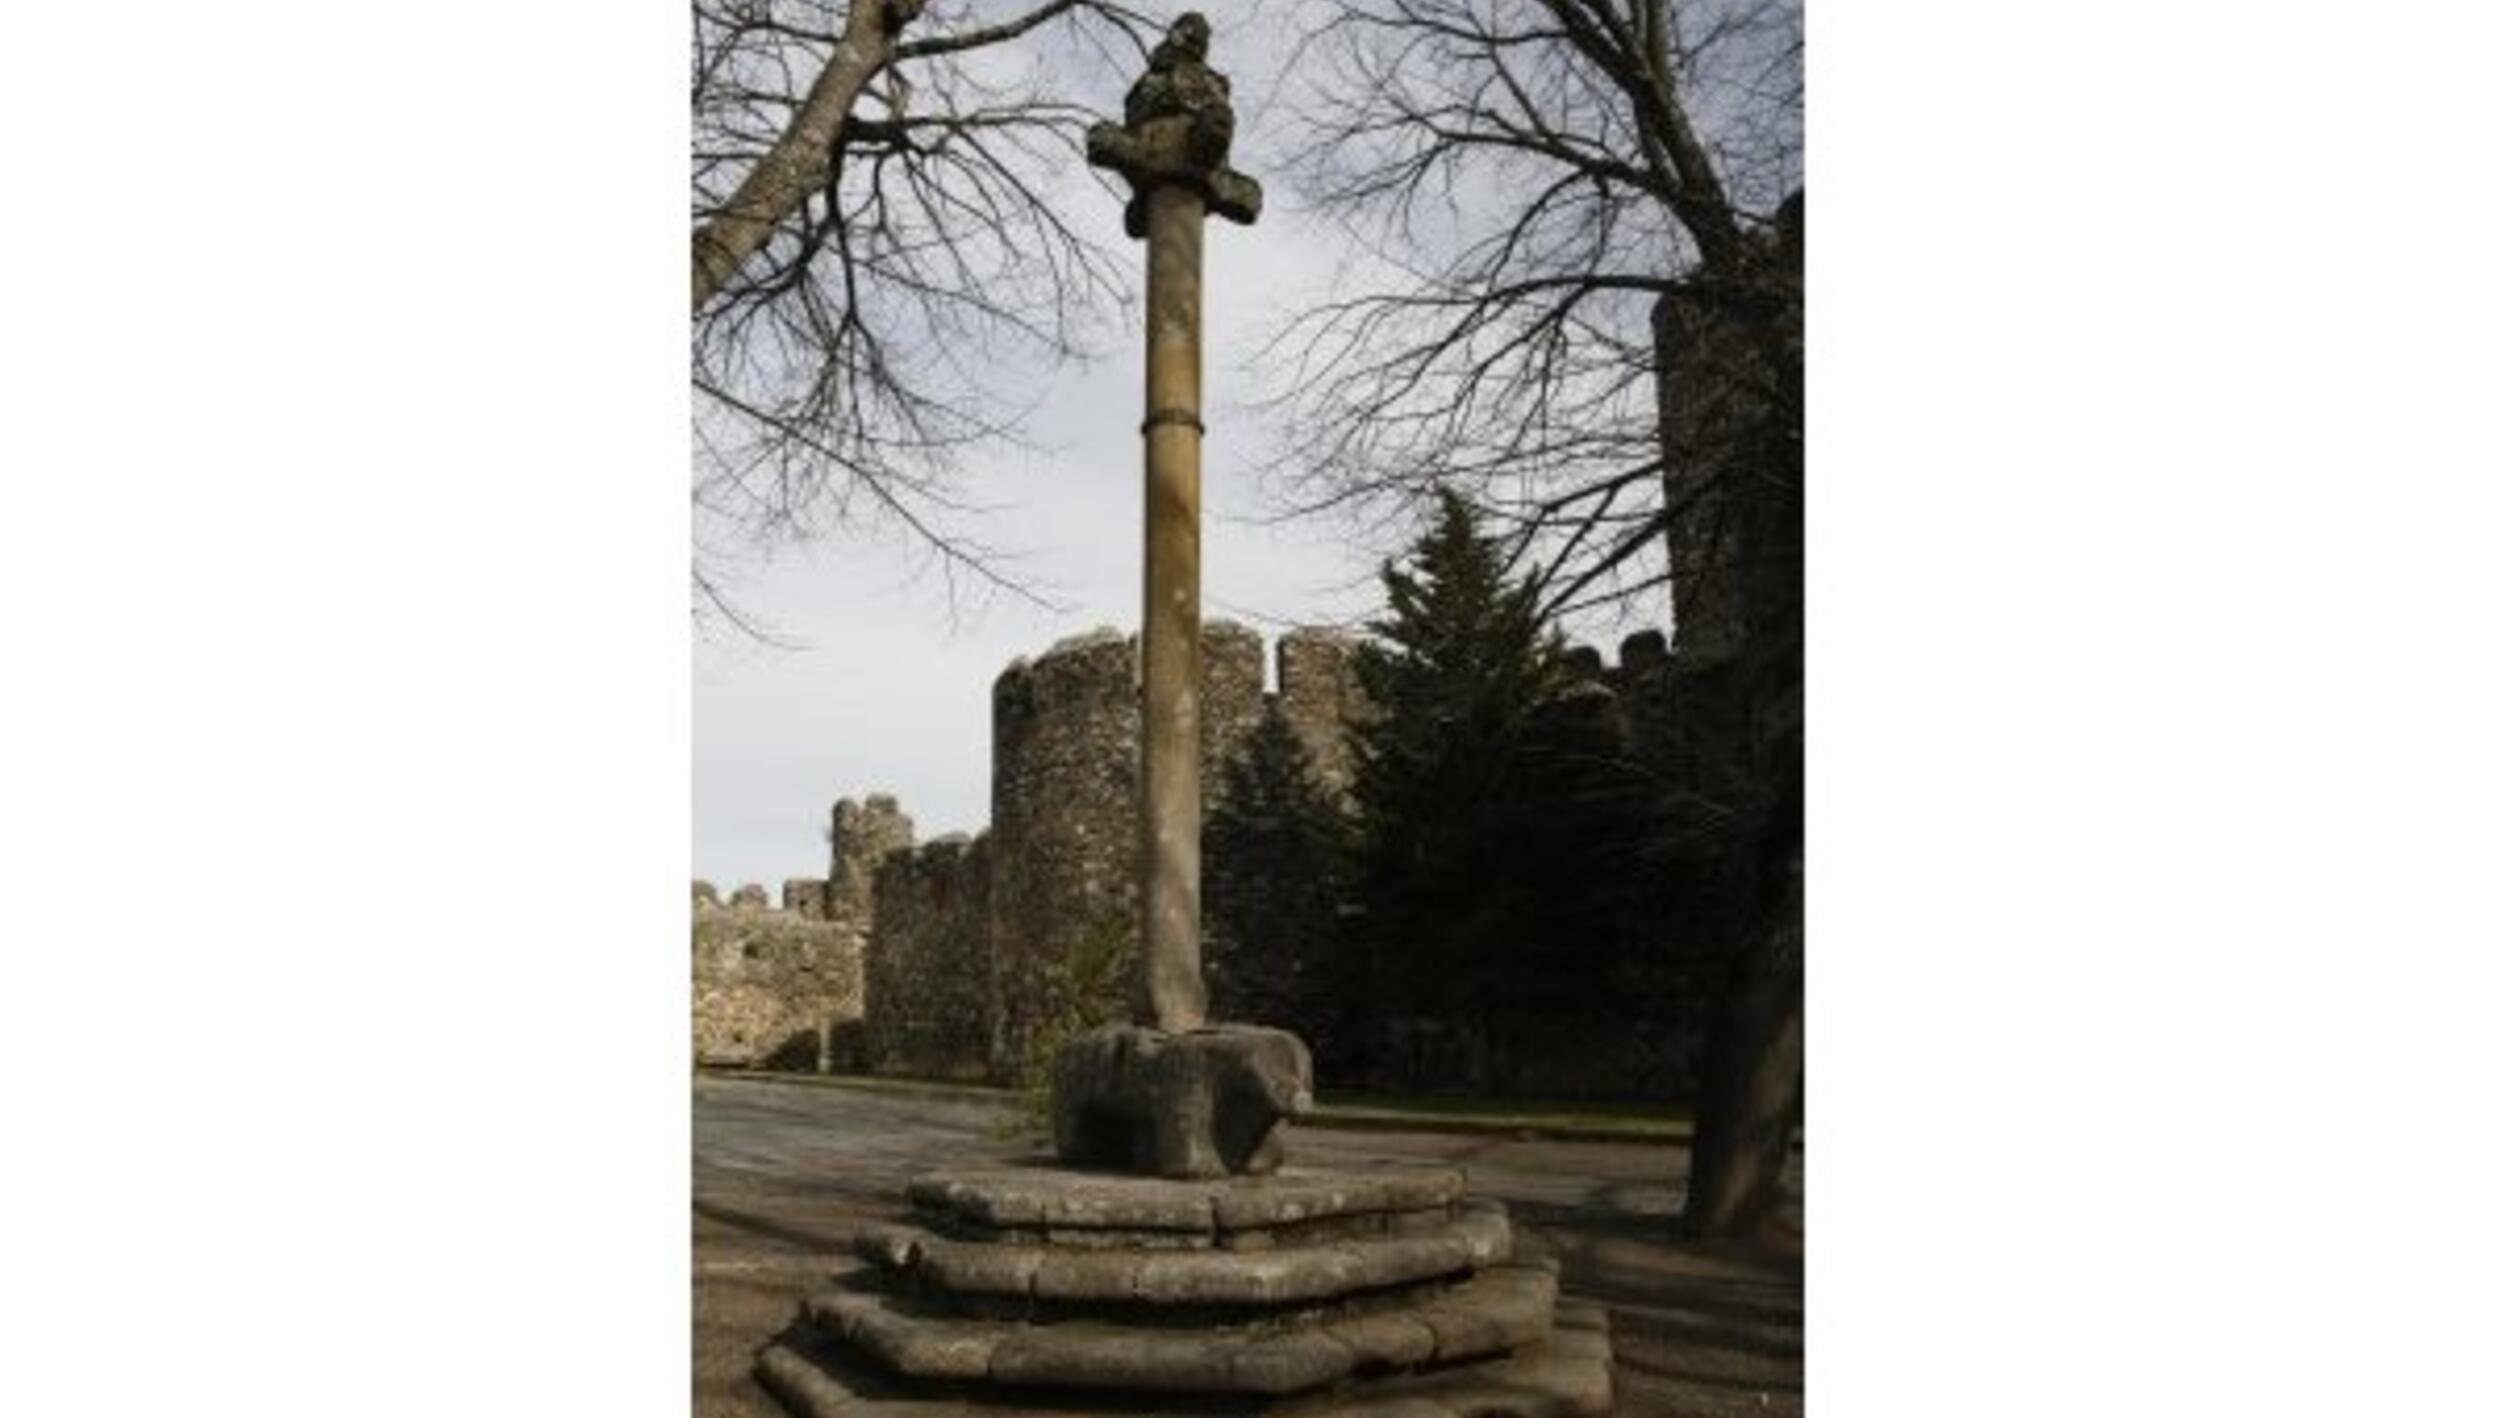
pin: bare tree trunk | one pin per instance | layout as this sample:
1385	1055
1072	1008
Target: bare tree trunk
800	161
1731	395
1753	1077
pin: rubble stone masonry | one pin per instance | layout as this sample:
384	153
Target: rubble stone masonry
939	960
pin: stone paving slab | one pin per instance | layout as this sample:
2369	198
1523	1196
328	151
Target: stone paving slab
1568	1377
1477	1233
1498	1308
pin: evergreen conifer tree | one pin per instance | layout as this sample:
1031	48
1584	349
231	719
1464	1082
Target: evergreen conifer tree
1275	865
1450	893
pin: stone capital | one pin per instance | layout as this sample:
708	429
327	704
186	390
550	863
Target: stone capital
1178	131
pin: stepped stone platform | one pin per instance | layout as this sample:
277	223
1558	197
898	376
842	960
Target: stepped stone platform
1046	1291
1075	1208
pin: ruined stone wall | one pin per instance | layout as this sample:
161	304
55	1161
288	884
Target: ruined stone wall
1319	699
1232	675
864	834
1063	801
932	996
1063	788
804	896
957	951
771	988
786	988
1735	546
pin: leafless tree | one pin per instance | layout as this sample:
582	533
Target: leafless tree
873	255
1585	313
1536	175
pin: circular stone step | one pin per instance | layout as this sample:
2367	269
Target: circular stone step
1566	1376
1499	1308
1477	1234
1045	1202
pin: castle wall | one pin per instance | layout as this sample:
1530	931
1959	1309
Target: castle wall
1063	789
1064	802
1319	699
788	987
771	988
1232	673
931	997
804	896
947	960
865	833
1710	377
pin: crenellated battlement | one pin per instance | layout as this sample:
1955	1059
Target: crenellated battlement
956	942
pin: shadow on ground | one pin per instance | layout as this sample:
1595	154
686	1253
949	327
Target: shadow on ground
784	1176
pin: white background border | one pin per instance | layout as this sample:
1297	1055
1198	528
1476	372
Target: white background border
2153	720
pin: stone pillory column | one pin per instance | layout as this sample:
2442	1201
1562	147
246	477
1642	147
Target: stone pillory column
1172	1261
1169	1093
1172	150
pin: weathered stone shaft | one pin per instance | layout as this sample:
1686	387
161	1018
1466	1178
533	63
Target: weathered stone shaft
1170	990
1171	149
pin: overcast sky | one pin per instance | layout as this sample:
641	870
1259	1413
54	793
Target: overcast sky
890	688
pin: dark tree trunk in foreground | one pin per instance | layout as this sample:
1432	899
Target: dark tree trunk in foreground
1753	1078
1731	407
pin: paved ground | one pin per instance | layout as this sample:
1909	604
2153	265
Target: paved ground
784	1174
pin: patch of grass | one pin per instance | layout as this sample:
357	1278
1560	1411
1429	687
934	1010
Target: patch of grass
1624	1121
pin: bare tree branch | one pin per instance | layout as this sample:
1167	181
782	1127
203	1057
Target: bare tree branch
874	254
1538	175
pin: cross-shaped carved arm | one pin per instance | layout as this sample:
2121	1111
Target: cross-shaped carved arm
1179	131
